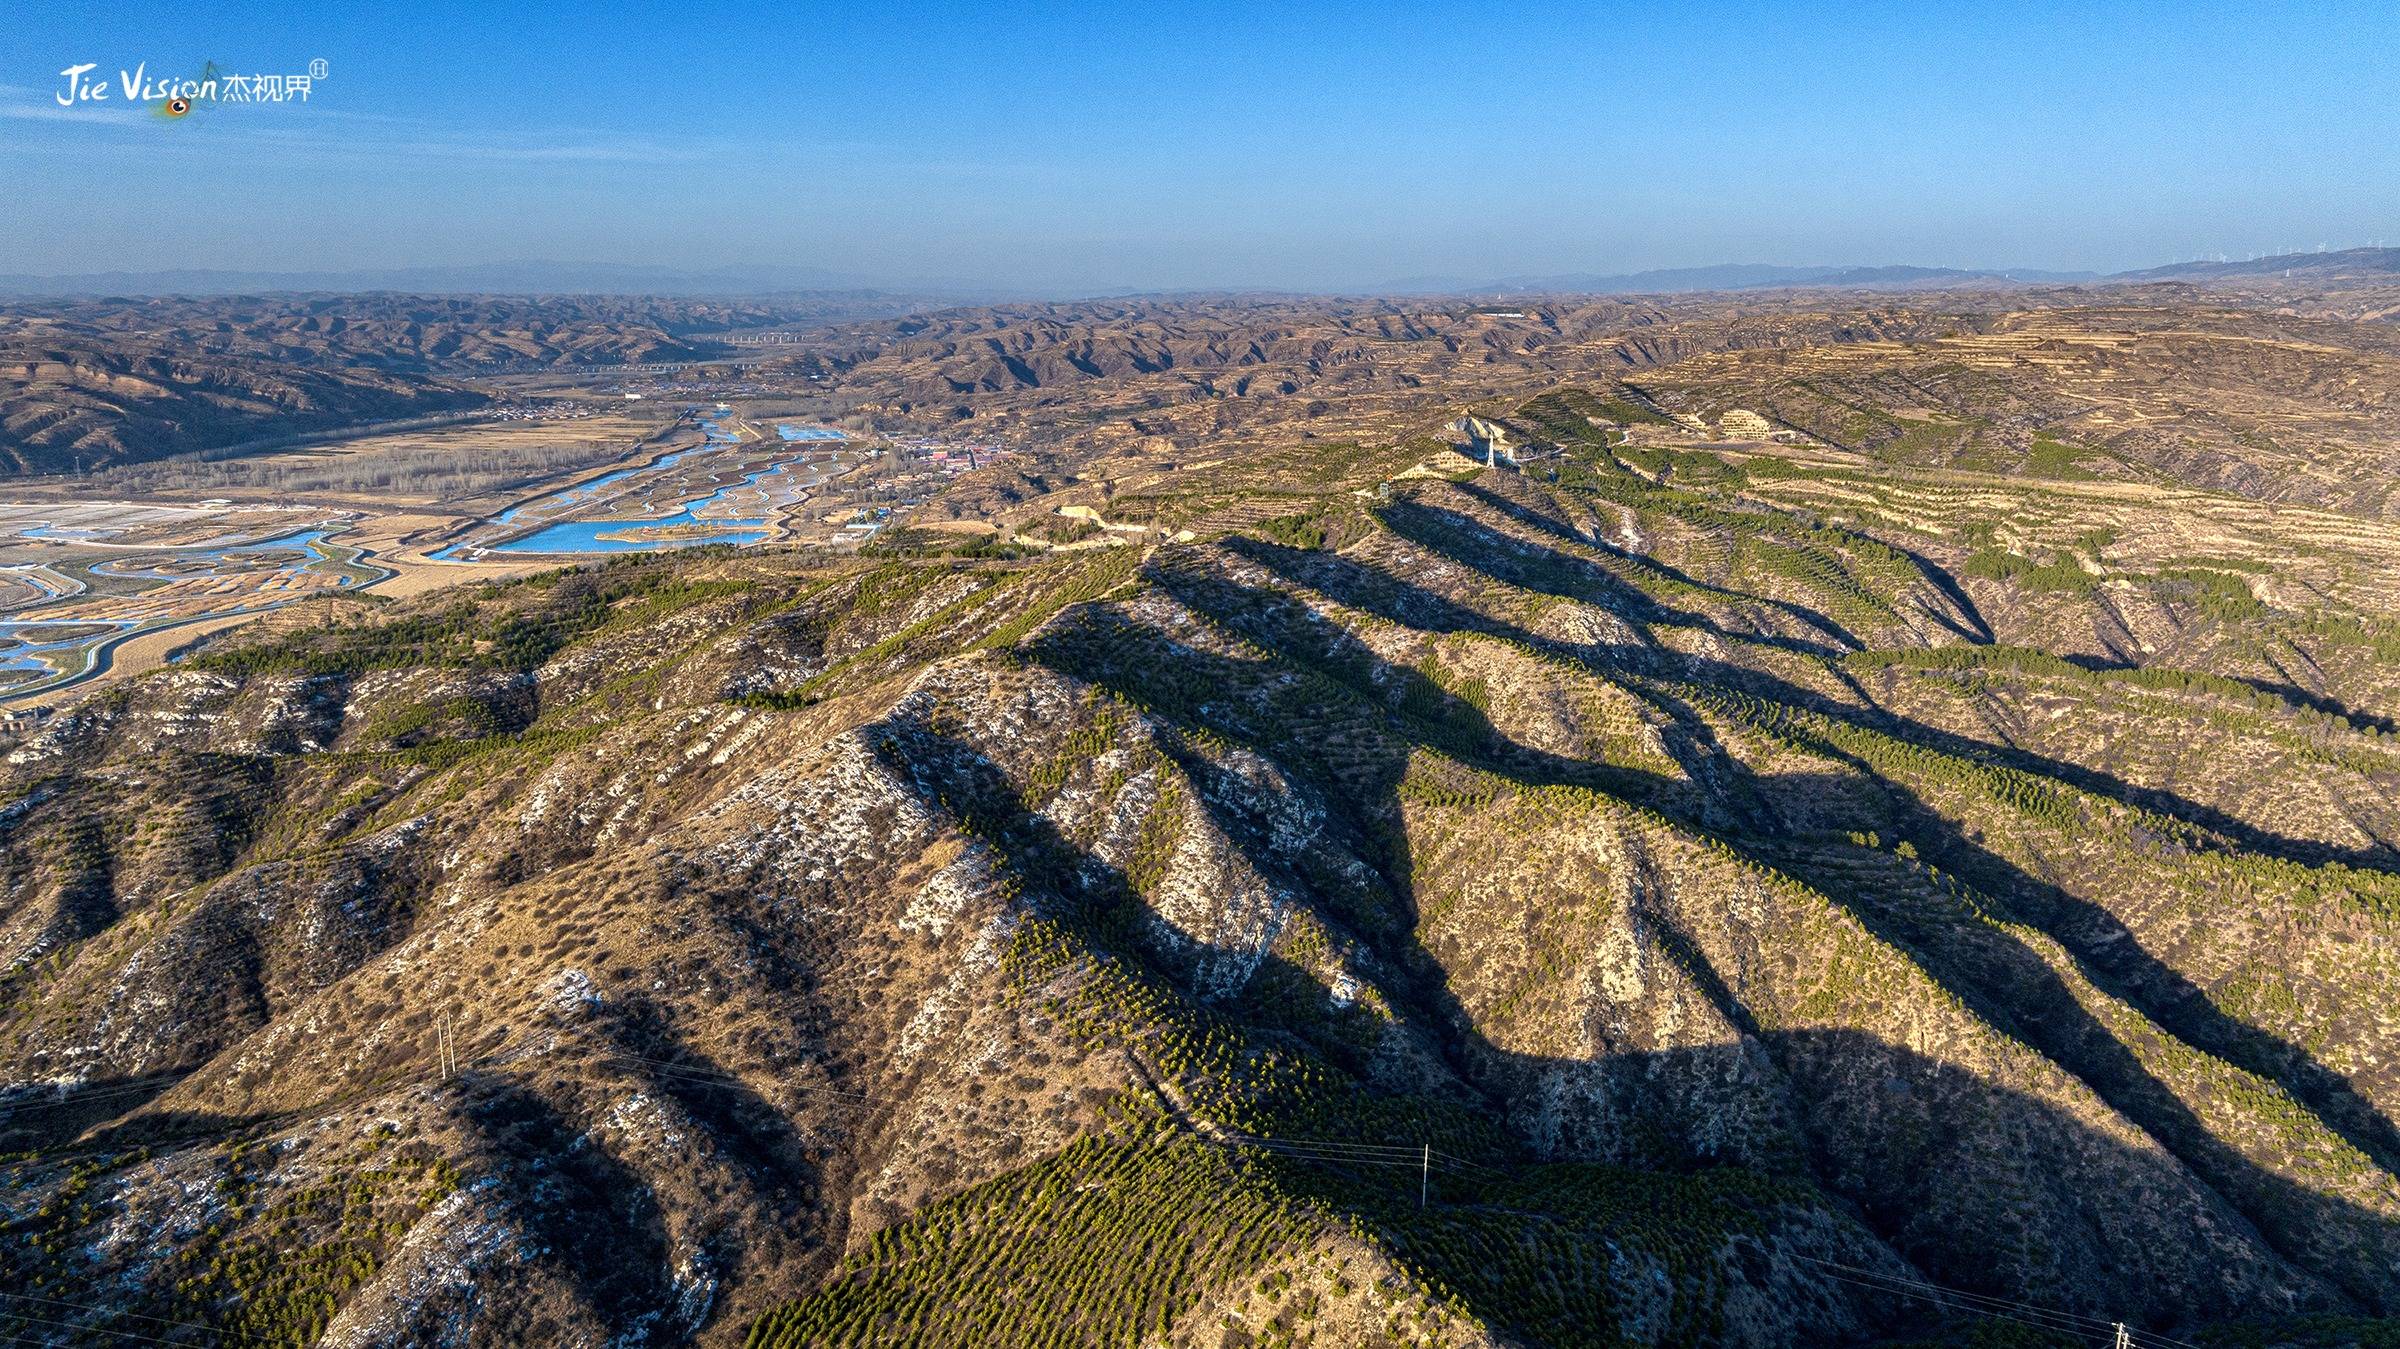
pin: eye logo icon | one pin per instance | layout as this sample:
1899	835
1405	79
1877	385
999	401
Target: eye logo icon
177	107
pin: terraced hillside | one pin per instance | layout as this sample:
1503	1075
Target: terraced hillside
1216	372
2245	398
2275	391
1703	900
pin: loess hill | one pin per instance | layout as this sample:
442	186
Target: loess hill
1722	890
2275	392
95	382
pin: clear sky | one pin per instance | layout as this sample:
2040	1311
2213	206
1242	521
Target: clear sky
1311	145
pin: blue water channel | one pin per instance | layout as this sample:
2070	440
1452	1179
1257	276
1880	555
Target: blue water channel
583	536
306	540
28	656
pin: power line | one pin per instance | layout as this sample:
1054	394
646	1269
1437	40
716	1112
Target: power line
1339	1151
95	1330
1235	1145
128	1087
2092	1321
1950	1300
1955	1300
74	1098
86	1306
1343	1144
19	1339
1456	1160
1985	1303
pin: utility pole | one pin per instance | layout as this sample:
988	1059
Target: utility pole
1424	1176
442	1042
2124	1338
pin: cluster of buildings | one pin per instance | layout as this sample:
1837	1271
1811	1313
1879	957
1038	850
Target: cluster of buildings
543	412
925	455
965	459
690	382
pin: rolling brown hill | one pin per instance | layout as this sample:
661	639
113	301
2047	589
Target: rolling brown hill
2278	392
98	382
2275	391
1702	901
71	401
2272	406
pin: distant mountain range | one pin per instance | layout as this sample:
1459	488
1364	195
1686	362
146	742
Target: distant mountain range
2343	262
600	278
1768	276
1752	276
498	278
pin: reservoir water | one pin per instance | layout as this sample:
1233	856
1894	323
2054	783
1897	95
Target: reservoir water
586	536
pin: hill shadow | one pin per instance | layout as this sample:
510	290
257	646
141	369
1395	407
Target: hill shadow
2243	834
1369	589
2281	689
1531	567
2358	718
784	1172
2092	934
1921	1121
2249	837
1976	630
39	1119
599	1228
1355	747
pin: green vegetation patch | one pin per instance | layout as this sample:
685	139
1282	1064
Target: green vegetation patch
508	627
2049	458
1111	1240
2062	577
1566	416
258	1272
275	1275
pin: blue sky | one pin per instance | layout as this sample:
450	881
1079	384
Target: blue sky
1057	147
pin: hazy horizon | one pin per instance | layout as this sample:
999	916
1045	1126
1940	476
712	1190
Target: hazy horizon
539	276
1052	152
